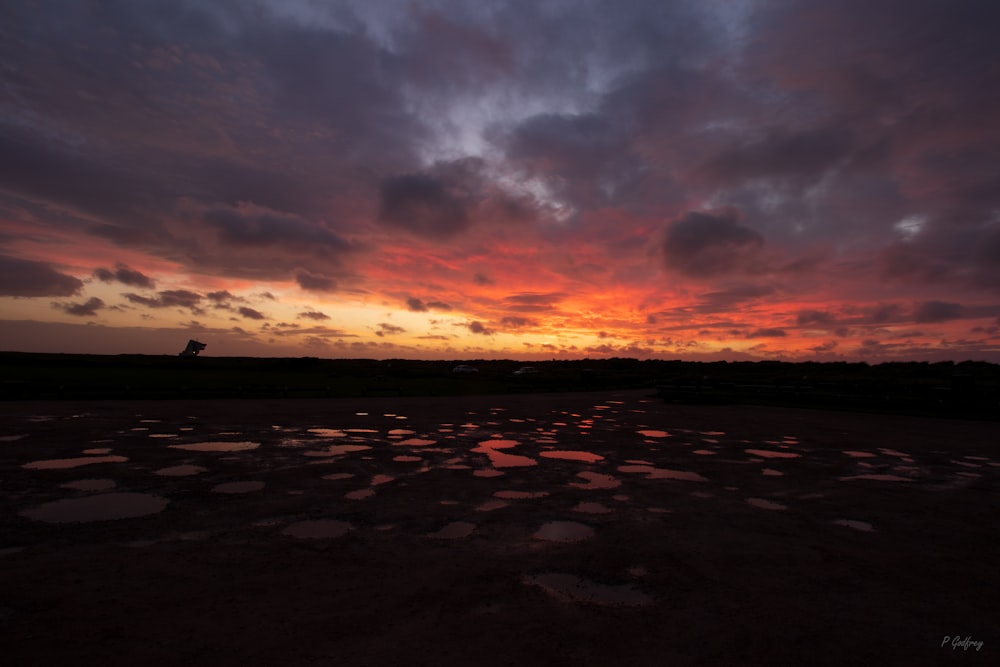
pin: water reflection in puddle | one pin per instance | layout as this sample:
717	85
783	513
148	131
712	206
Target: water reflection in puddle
338	475
104	507
238	487
65	464
317	530
90	485
489	473
360	494
406	459
863	526
217	446
501	459
765	504
596	480
878	478
703	452
415	442
336	450
571	455
454	530
381	479
592	508
491	505
770	454
401	431
653	433
768	472
564	531
327	432
859	455
184	470
519	495
12	438
663	473
97	451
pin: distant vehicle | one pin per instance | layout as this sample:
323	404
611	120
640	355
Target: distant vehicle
463	368
526	370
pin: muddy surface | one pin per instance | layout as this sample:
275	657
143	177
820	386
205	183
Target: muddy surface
576	529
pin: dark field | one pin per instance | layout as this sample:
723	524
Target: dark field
590	528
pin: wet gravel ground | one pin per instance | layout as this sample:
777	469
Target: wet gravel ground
594	528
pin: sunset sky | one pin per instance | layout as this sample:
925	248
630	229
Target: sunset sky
703	179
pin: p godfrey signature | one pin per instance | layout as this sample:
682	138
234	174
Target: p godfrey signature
958	642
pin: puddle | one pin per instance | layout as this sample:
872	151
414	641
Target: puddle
362	430
238	487
570	455
658	510
327	432
217	446
162	435
97	451
415	442
65	464
104	507
454	530
12	438
360	494
184	470
491	505
653	433
770	454
639	462
596	480
768	472
90	485
320	529
765	504
620	497
863	526
407	459
520	495
336	450
381	479
501	459
564	531
703	452
489	473
859	455
701	494
338	475
401	431
592	508
572	588
663	473
878	478
893	452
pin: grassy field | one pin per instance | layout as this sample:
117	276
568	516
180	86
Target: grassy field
968	389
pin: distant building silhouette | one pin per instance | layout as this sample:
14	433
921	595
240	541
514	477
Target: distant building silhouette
192	349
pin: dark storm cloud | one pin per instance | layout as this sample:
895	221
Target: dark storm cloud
21	277
168	299
937	311
725	299
814	317
251	314
315	283
124	275
421	204
86	309
533	302
263	229
702	244
385	329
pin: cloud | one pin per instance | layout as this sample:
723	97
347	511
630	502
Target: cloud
313	315
27	278
256	227
479	328
168	299
124	275
813	317
421	204
86	309
388	329
937	311
701	244
251	314
315	283
419	306
767	333
516	322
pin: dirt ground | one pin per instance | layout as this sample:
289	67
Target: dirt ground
731	535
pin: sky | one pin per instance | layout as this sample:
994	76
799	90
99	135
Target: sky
703	179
